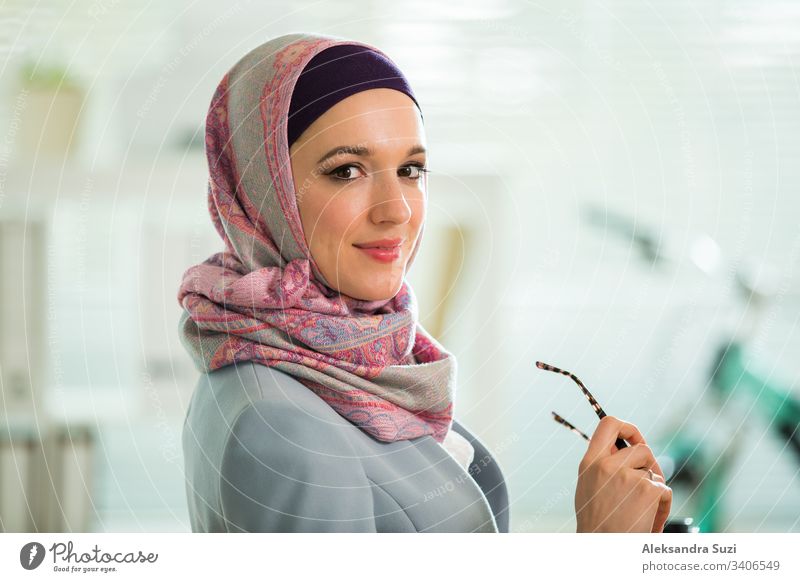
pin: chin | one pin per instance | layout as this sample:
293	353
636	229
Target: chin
377	292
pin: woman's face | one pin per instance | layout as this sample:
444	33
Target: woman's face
361	191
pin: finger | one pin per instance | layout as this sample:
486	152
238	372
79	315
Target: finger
650	475
605	435
638	456
650	463
664	506
657	470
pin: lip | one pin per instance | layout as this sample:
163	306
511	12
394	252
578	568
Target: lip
385	250
382	243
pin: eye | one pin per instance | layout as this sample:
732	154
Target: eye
412	171
346	172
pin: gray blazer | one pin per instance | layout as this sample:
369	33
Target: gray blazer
263	453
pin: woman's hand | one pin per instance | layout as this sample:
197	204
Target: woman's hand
615	492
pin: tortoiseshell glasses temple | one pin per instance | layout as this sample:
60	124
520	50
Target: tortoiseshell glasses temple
621	444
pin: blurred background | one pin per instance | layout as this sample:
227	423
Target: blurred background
613	190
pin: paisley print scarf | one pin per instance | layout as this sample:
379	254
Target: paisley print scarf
263	299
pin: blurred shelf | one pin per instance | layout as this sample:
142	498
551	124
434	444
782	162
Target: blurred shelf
34	188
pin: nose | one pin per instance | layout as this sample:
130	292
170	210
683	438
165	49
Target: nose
389	199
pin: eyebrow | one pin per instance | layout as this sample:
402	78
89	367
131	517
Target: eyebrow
359	150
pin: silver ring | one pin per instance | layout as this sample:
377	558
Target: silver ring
650	471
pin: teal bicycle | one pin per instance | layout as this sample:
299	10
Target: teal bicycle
695	466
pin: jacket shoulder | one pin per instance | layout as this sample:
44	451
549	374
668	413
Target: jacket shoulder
237	386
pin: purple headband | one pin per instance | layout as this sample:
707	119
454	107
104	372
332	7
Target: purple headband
334	74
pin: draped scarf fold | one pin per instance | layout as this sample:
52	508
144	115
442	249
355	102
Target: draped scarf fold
263	298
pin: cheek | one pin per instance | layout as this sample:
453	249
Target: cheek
419	209
329	219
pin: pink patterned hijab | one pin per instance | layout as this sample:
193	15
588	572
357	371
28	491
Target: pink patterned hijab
264	299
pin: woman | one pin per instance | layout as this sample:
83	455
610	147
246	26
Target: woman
323	404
